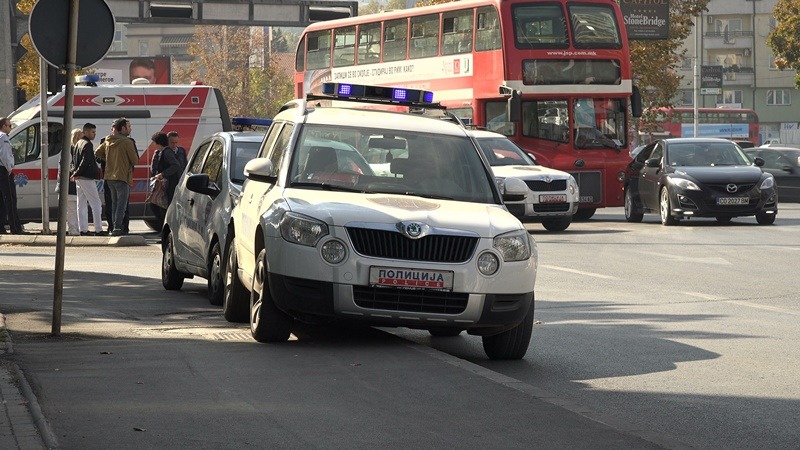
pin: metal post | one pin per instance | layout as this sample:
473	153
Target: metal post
698	54
72	50
45	151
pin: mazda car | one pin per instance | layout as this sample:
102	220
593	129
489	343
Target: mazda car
682	178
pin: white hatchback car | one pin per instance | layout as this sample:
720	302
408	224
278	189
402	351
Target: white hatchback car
427	245
552	196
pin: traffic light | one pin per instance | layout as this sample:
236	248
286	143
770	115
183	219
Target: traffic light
19	27
55	80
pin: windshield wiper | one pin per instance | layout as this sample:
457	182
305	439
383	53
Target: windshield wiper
328	187
433	196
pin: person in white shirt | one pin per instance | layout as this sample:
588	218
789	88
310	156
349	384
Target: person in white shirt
8	190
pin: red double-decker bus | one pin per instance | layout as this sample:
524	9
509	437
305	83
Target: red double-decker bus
554	76
736	124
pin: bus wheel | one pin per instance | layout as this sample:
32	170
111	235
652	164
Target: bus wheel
584	213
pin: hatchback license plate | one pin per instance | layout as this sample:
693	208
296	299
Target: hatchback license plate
733	200
552	198
410	278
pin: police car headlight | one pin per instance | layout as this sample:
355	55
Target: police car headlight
572	185
768	183
334	251
488	263
513	246
303	230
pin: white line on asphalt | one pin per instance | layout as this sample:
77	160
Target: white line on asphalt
743	303
579	272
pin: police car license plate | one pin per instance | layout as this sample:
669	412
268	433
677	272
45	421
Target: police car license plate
410	278
733	200
552	198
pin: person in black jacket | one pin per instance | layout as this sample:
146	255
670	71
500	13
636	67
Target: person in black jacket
165	166
86	173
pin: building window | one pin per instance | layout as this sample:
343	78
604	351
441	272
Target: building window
730	99
779	97
687	63
686	98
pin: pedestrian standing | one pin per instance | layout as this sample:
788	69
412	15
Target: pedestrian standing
165	166
180	152
73	227
120	156
86	174
8	189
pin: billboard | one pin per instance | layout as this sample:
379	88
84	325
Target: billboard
646	19
121	70
710	80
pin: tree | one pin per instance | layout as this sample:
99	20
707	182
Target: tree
376	6
28	65
785	38
230	59
656	63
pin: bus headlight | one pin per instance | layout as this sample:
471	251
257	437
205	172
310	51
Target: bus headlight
513	246
303	230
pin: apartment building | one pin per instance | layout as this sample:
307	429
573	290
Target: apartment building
733	34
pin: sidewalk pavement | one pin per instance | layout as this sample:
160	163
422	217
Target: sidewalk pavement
35	236
22	424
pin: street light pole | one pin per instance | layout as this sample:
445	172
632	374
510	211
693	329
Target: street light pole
697	55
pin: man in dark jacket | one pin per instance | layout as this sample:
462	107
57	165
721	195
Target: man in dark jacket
180	152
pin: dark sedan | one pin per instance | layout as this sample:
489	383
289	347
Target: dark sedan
784	164
692	177
195	231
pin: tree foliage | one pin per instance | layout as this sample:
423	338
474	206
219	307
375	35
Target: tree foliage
656	63
376	6
28	65
230	58
785	38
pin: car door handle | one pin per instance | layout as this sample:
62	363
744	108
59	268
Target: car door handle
191	202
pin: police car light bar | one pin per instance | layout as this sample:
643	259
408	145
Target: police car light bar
377	94
250	121
87	79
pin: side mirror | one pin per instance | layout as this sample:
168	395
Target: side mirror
653	162
514	190
202	185
759	161
636	102
259	169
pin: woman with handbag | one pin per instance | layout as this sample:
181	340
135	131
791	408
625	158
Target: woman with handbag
166	171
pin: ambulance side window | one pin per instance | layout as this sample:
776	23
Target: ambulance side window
55	136
25	144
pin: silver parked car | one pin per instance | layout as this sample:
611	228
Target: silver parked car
195	230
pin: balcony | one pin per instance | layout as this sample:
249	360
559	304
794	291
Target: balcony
727	40
737	76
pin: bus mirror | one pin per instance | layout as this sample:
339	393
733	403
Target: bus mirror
636	102
514	107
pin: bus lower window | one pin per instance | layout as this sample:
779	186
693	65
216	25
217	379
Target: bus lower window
395	39
546	119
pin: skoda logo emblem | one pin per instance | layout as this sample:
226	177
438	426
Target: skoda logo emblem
732	188
547	179
413	229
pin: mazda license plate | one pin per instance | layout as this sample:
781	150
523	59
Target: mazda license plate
552	198
410	278
733	200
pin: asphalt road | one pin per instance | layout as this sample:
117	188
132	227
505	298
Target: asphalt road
645	335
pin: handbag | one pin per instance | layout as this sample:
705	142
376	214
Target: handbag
158	192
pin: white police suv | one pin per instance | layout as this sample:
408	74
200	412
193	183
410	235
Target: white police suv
318	235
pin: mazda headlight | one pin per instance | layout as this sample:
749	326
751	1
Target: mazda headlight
513	246
303	230
683	183
768	183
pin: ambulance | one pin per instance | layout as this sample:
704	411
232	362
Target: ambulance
194	111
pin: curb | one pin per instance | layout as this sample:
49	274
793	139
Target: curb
18	385
73	241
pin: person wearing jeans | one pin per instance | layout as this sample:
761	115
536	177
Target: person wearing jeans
120	156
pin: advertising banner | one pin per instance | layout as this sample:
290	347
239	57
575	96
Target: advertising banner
646	19
710	80
122	70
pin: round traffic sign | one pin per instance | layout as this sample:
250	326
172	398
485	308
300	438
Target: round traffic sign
48	26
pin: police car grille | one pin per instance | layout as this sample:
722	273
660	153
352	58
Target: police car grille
551	207
410	300
393	245
541	186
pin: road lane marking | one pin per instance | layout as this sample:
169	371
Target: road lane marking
743	303
579	272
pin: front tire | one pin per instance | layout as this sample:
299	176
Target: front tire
234	300
513	343
444	332
171	278
267	322
765	219
665	207
216	282
557	224
631	213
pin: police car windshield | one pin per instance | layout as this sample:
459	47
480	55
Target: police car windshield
390	161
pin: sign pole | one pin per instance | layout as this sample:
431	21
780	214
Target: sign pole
697	55
72	50
45	145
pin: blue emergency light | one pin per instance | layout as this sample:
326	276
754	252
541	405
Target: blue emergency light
395	95
250	121
89	79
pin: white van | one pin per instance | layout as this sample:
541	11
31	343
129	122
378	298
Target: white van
194	111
